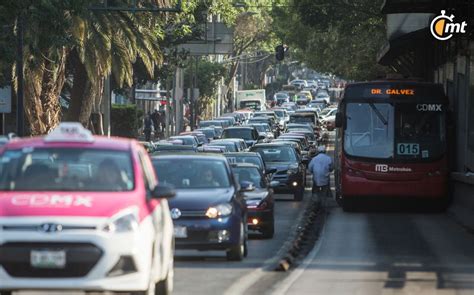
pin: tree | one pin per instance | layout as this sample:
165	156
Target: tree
208	76
107	43
46	41
252	32
335	36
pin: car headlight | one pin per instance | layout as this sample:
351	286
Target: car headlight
122	222
292	171
220	210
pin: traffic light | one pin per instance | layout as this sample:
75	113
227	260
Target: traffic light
280	52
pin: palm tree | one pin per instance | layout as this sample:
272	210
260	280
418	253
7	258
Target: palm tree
109	43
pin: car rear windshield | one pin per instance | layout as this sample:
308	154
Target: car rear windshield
209	133
245	159
276	154
263	128
302	119
280	113
229	145
66	169
243	133
185	173
209	123
186	140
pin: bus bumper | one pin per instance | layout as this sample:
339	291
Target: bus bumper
430	187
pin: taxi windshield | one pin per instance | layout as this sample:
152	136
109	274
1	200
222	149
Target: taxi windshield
66	169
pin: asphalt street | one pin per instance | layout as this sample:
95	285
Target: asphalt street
210	273
386	253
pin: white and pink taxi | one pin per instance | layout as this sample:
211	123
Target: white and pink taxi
80	212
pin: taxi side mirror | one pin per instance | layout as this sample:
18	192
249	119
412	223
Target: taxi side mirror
163	192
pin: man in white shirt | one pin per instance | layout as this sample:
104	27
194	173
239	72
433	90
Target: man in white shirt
321	166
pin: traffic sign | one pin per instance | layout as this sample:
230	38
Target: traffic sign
6	100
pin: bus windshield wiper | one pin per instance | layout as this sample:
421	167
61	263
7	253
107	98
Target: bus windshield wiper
379	114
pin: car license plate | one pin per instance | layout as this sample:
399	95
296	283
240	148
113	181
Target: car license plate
180	232
48	258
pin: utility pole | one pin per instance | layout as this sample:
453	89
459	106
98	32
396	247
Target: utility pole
175	103
19	77
167	109
193	98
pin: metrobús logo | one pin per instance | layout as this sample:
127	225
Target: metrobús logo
386	168
443	27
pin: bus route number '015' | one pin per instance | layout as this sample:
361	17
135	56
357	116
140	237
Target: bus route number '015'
408	149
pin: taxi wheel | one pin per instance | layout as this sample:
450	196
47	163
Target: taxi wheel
237	252
163	287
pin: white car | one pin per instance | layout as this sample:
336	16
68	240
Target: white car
79	212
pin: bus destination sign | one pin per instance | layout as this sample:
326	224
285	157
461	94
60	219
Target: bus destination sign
391	91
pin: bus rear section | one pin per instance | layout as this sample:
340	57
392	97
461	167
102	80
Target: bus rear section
391	142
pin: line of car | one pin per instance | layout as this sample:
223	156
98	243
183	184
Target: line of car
90	213
225	184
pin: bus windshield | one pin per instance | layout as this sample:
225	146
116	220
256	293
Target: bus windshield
387	131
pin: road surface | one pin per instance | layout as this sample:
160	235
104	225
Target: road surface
386	253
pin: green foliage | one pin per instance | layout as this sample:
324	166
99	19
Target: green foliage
208	76
334	36
125	120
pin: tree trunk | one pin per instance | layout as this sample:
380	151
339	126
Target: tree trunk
230	87
78	88
43	85
84	93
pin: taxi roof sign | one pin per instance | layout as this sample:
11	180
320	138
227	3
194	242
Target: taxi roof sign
70	132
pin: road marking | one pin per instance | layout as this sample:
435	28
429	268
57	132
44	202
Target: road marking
243	283
282	287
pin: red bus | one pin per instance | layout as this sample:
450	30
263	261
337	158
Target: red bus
391	142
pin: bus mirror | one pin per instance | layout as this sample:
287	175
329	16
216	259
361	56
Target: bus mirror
339	121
